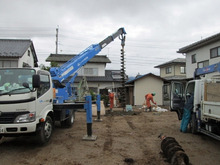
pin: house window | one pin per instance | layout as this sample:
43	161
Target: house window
91	71
29	52
183	70
9	64
215	52
203	64
193	58
168	70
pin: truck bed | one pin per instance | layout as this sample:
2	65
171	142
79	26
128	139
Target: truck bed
212	92
211	110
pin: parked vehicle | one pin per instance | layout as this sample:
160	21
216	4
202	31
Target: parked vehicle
31	100
205	116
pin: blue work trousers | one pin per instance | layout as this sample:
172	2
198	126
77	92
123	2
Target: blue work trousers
185	120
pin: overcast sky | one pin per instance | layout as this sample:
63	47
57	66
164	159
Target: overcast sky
156	29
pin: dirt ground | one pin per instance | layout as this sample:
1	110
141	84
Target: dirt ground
120	138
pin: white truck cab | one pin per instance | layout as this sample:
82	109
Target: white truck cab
26	103
205	115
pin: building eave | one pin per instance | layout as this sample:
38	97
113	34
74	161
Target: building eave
200	43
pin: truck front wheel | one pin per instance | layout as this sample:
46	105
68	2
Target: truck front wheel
45	131
193	124
1	137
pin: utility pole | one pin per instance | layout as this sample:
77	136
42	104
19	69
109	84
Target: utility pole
57	30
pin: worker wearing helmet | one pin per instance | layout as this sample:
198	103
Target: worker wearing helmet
149	98
111	99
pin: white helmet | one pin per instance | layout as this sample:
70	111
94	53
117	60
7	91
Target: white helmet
109	91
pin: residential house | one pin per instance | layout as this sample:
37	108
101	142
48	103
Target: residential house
174	70
142	85
97	77
201	53
17	53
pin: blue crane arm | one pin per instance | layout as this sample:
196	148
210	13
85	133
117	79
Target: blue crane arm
60	74
208	69
73	65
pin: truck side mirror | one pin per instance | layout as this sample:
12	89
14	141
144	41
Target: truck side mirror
36	81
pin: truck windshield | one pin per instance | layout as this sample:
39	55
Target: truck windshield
12	80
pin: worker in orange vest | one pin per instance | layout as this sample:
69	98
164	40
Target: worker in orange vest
111	99
149	98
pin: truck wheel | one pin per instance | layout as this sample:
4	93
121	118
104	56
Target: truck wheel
45	132
1	137
193	124
69	121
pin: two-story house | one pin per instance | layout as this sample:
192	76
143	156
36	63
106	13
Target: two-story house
17	53
174	70
97	77
201	53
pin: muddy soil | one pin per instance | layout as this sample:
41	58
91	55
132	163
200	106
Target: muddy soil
122	138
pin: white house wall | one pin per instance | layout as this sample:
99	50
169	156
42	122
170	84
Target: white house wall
147	85
27	59
100	67
202	54
102	85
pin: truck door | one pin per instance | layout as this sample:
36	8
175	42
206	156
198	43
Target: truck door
177	98
166	94
44	94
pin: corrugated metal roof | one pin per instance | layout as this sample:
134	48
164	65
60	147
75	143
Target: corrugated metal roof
175	61
13	48
200	43
66	57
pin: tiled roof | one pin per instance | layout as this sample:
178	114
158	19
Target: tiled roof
13	48
175	61
201	43
16	48
66	57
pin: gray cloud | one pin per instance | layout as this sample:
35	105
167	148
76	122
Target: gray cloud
156	29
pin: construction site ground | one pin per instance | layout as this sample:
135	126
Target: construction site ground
122	138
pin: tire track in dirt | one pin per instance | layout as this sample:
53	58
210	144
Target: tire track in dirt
148	157
108	139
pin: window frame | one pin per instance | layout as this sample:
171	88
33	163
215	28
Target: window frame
90	71
8	63
168	70
184	70
44	85
217	49
193	58
202	62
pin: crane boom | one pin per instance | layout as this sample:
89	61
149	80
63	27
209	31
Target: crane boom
64	75
208	69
